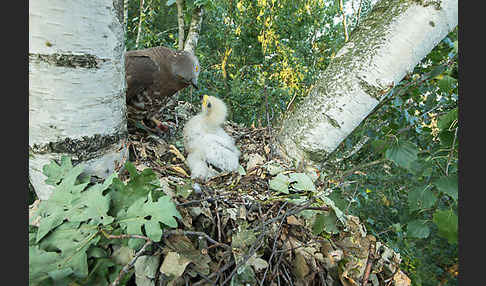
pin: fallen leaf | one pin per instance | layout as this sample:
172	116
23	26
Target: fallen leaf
174	264
179	170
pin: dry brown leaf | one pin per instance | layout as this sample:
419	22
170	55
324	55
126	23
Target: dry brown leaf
293	220
401	279
176	152
179	170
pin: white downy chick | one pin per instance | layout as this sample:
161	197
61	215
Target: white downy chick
206	142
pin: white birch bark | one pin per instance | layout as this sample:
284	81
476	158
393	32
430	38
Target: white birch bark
76	86
125	15
194	29
180	22
137	41
394	37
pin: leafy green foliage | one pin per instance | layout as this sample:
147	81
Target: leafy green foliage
162	211
418	229
446	221
410	198
421	198
448	185
65	245
403	154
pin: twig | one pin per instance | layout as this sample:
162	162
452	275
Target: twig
369	263
127	267
218	220
450	154
350	172
122	236
274	244
197	233
344	21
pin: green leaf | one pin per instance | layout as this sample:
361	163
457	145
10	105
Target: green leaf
41	263
170	2
418	229
73	241
301	182
437	71
55	173
444	122
448	185
150	214
280	183
403	154
446	83
378	145
447	222
63	203
138	186
421	198
325	221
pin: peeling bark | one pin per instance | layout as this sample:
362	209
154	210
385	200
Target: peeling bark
194	29
76	86
395	36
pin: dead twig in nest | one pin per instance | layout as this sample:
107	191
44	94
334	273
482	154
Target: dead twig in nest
197	233
369	263
127	267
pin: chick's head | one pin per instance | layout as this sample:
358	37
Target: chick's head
214	109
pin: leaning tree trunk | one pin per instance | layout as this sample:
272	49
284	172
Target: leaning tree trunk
194	29
393	38
76	86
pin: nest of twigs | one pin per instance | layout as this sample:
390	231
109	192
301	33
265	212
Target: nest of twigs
235	229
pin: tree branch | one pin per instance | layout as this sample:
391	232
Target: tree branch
180	21
194	29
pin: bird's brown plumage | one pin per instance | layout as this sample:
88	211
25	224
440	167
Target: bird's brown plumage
161	69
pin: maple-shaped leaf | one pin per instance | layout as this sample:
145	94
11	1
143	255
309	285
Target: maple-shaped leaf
69	202
138	186
71	241
93	206
150	214
43	265
60	205
55	172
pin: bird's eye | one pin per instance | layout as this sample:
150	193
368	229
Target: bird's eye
209	104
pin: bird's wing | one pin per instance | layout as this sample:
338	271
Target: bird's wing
139	72
220	151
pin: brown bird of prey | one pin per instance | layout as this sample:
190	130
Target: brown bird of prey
161	70
208	146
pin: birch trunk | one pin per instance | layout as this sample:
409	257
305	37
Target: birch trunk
76	86
387	45
139	24
125	15
194	29
180	21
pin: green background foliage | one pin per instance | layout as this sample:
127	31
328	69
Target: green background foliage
260	57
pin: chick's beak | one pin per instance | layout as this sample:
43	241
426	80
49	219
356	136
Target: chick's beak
205	100
194	83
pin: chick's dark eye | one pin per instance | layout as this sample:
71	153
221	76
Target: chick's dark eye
209	104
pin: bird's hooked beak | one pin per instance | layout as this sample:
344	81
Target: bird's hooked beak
194	82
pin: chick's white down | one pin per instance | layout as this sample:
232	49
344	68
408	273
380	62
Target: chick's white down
207	143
